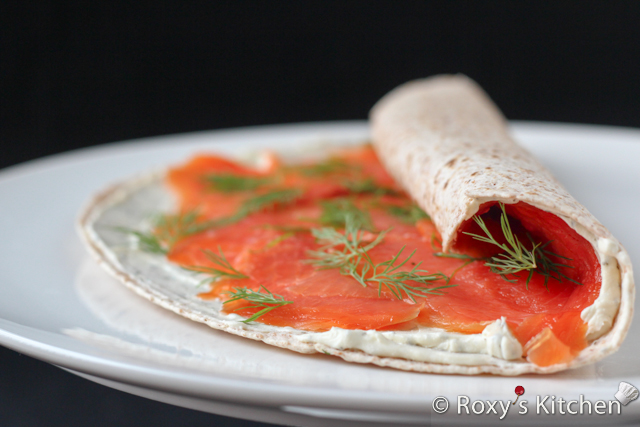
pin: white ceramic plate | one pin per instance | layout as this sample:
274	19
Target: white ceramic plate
57	305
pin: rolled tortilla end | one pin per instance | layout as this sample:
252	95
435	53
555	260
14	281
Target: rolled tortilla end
449	146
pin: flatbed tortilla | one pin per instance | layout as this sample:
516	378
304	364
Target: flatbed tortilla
407	136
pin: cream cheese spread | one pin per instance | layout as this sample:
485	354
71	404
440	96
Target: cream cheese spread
600	315
427	344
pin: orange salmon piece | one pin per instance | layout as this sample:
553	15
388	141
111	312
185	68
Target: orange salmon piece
321	298
545	349
316	313
567	327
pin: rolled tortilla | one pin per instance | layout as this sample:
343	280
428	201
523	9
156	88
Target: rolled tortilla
446	142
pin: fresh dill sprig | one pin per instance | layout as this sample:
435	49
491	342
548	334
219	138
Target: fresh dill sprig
550	269
368	186
439	254
347	253
516	257
230	183
276	240
267	300
261	202
166	230
223	268
267	201
335	212
468	258
330	256
387	274
408	214
328	167
434	240
287	228
147	242
458	256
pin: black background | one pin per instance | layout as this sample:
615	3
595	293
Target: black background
75	74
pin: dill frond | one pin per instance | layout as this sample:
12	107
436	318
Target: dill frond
408	214
335	212
387	274
550	269
166	230
276	240
222	269
347	253
368	186
329	255
267	300
267	201
516	257
458	256
230	183
328	167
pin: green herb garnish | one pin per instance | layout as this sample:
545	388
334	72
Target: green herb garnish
167	230
550	269
327	167
147	242
458	256
516	257
267	300
287	228
386	273
330	255
223	268
276	240
408	214
335	212
266	201
230	183
348	253
368	186
468	258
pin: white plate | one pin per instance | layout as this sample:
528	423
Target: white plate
58	306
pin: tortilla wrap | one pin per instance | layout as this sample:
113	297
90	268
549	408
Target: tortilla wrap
129	204
449	146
